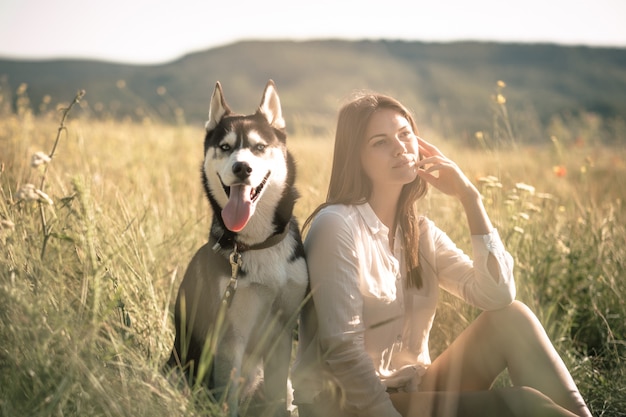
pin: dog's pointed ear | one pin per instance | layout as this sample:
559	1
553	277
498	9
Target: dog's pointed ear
270	106
218	108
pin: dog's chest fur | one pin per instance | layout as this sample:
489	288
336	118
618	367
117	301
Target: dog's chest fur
274	268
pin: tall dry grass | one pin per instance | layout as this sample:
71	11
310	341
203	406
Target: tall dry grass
86	295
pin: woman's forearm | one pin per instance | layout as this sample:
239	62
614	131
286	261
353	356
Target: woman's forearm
477	218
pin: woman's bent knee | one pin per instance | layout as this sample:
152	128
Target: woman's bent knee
516	314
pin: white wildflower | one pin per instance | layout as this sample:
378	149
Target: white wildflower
545	196
525	187
489	179
44	197
512	197
39	158
518	230
493	185
29	192
532	207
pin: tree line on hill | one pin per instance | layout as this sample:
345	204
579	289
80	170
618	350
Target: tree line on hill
452	87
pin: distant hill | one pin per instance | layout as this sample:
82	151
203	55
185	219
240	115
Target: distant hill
448	85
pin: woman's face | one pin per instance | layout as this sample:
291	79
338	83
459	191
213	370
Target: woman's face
390	150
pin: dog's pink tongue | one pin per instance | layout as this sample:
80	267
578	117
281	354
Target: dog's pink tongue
239	208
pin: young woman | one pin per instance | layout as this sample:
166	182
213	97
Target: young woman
376	267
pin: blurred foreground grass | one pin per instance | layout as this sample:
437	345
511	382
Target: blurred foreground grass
85	323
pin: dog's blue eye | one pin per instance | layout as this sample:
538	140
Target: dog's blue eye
260	147
225	147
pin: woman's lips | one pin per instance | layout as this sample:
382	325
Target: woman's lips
404	162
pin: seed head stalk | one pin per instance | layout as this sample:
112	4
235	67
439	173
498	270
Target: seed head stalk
47	229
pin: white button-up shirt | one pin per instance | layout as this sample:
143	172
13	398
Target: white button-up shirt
364	330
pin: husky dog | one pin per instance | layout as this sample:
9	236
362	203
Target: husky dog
239	300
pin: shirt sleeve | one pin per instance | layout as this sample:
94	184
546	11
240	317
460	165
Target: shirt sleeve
470	279
333	263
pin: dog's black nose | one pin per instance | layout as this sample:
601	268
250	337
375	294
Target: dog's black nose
242	170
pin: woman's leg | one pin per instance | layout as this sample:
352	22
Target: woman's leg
510	338
503	402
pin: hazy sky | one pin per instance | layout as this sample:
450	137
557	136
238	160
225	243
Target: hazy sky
149	31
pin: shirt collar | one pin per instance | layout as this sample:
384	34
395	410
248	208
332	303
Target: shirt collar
371	220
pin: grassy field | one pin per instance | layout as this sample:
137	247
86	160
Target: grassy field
93	253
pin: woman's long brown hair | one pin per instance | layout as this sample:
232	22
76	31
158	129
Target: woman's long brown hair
350	185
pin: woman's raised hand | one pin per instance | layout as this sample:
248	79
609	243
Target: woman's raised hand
442	173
